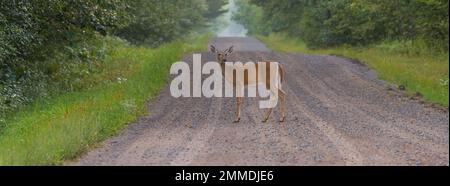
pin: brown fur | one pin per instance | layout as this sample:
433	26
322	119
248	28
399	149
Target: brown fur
221	57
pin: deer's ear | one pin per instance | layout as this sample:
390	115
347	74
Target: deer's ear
230	50
212	49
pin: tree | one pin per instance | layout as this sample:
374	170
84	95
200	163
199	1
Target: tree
324	23
155	22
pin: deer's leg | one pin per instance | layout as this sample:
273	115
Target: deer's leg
266	118
268	115
282	96
238	112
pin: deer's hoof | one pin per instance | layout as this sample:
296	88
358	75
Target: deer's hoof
265	120
282	119
237	120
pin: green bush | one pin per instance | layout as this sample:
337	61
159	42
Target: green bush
34	35
73	67
155	22
49	47
52	131
325	23
27	28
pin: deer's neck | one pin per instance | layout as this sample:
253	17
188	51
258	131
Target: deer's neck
222	66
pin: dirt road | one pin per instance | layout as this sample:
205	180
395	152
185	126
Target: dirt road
338	113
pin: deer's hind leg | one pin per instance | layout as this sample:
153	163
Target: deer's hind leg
266	118
282	96
267	115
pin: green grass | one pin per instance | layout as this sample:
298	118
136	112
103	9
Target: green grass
415	67
52	131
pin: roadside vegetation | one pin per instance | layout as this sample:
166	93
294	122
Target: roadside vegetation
406	42
393	62
74	72
51	131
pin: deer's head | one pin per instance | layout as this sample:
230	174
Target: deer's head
221	55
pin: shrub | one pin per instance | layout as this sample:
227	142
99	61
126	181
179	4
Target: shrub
325	23
155	22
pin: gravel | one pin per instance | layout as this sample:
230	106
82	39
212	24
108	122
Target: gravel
338	113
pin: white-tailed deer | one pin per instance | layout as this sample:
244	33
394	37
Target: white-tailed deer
222	58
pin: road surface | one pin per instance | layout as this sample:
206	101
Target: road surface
338	113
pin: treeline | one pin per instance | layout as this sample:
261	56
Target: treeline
326	23
47	46
157	21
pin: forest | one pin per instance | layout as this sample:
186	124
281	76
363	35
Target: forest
74	73
404	41
326	23
49	47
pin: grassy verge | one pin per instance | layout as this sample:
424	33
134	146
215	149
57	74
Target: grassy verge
50	132
418	70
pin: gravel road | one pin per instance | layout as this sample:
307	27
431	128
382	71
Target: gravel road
338	113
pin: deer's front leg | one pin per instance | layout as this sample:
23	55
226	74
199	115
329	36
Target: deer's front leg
238	111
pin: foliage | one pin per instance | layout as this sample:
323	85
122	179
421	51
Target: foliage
45	43
397	62
155	22
77	66
48	132
215	8
49	47
27	26
251	16
405	41
325	23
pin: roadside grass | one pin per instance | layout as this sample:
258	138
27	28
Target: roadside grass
408	64
50	132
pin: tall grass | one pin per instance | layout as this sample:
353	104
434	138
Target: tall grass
403	63
50	132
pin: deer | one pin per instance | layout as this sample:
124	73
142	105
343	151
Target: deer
222	59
